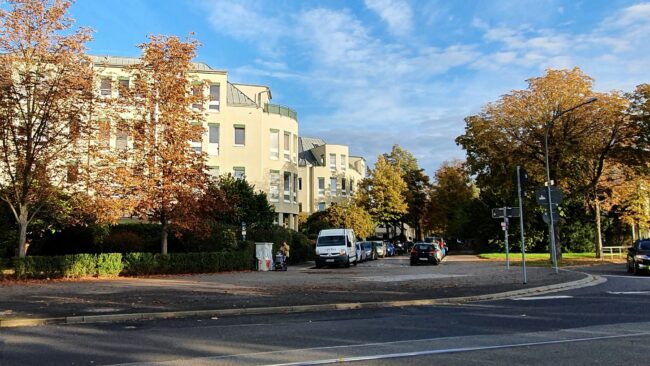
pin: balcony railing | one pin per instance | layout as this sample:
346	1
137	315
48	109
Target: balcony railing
281	110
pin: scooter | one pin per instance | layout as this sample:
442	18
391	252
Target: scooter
280	263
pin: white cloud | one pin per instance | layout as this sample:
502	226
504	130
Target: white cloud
396	13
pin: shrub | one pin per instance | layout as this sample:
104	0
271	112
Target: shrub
109	264
139	263
79	265
38	267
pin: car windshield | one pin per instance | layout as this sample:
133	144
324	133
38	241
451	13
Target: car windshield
367	245
377	245
329	241
644	245
423	246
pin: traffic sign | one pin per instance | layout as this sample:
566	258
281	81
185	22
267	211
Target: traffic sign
542	196
556	216
497	213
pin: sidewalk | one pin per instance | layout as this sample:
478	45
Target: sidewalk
384	282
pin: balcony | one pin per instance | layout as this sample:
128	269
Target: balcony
281	110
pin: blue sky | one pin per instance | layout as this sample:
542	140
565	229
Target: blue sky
373	73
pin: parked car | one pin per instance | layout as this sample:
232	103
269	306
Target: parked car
361	254
425	253
400	248
390	249
638	257
380	248
371	254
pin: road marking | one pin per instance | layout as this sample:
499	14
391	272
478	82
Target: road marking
623	276
628	292
453	350
542	297
398	278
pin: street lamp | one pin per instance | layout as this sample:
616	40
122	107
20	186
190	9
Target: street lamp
549	125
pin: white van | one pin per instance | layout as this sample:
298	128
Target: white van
336	247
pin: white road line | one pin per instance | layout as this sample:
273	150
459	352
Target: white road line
542	297
628	292
452	350
628	276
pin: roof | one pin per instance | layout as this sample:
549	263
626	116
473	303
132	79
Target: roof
122	61
305	155
237	98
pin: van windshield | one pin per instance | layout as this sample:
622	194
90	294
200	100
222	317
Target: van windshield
330	241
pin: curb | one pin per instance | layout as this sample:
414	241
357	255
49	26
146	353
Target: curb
590	280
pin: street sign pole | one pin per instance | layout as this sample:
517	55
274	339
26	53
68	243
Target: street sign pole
505	228
551	233
521	224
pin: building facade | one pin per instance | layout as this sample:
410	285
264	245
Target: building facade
327	174
245	134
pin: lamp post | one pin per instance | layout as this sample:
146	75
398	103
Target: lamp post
551	225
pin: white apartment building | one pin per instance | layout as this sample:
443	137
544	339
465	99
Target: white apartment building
244	135
327	174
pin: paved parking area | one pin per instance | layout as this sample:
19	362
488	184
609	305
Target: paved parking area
386	279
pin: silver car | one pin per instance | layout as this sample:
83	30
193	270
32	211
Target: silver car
362	256
380	248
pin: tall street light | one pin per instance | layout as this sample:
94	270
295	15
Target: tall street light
551	226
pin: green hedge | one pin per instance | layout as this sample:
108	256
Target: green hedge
114	264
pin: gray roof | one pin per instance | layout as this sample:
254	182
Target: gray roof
128	61
305	155
236	98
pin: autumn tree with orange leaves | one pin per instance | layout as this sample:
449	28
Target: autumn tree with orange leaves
46	88
165	176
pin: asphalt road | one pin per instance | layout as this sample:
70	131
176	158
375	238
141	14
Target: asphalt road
607	324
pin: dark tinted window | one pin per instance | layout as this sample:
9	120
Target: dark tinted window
423	247
644	245
328	241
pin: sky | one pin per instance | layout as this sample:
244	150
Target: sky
374	73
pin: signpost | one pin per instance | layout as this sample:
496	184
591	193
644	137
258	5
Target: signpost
505	213
243	230
550	197
522	177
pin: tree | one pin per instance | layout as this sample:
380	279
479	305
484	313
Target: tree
349	215
169	176
382	193
417	184
511	132
46	90
247	205
450	194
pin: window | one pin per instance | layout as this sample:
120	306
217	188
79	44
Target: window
274	144
351	185
332	162
105	90
300	184
321	186
333	186
343	162
295	148
121	139
213	171
214	98
213	139
295	188
239	172
287	187
196	146
274	188
123	87
73	172
197	91
240	135
321	206
104	137
343	190
287	147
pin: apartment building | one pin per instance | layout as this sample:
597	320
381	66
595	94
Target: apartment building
327	174
245	134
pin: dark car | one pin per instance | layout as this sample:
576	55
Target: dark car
371	253
424	253
638	256
390	249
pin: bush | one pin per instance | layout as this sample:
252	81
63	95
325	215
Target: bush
109	264
79	265
139	263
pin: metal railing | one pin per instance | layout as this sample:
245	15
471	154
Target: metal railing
619	251
280	110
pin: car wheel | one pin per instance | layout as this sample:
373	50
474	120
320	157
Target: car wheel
412	263
347	263
355	263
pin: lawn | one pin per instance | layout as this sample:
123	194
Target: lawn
543	259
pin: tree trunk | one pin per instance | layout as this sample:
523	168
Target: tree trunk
22	227
599	234
163	236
